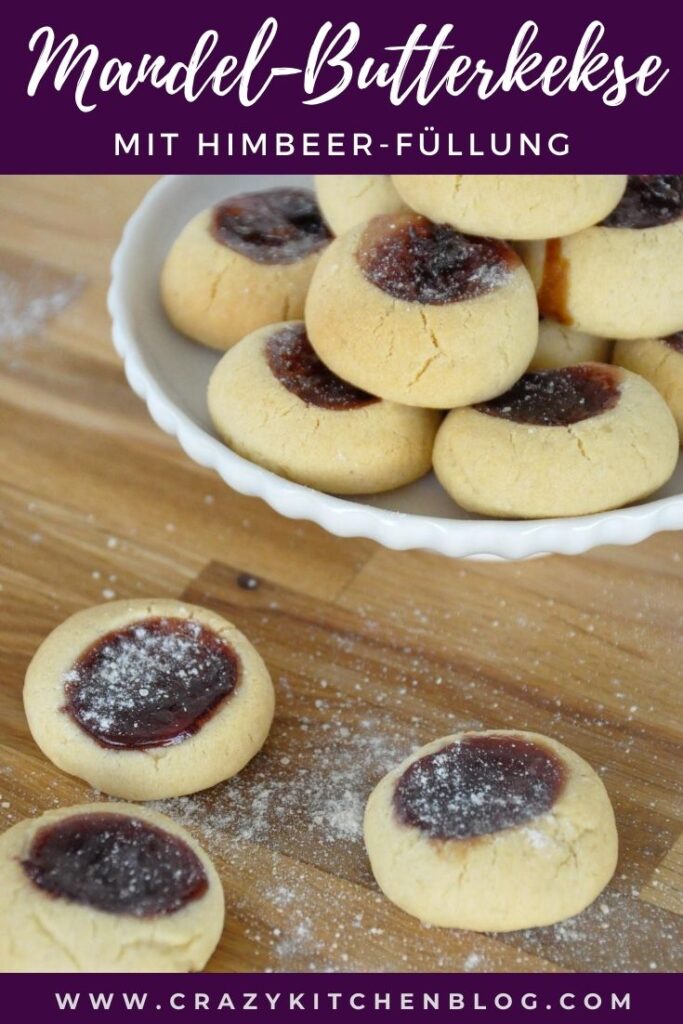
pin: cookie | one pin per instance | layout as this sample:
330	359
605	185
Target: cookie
524	206
621	278
659	360
491	831
243	264
146	699
418	314
346	200
106	888
274	402
559	345
563	442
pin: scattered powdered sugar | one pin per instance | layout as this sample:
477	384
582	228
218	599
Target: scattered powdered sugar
288	829
286	833
489	276
301	800
29	297
342	815
611	935
304	803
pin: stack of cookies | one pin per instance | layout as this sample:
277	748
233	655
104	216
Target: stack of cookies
352	324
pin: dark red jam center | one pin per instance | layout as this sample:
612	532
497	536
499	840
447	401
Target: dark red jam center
557	398
151	684
410	258
649	201
116	864
477	786
281	225
297	367
675	341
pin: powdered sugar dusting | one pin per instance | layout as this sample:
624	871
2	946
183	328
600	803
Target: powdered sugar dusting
287	832
478	786
30	296
305	803
301	801
150	683
352	702
412	259
611	935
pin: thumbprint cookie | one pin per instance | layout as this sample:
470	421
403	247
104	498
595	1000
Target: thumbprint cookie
491	831
562	442
273	401
513	206
146	699
244	263
419	314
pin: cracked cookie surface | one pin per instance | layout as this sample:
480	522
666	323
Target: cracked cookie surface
273	400
565	442
513	206
440	353
347	200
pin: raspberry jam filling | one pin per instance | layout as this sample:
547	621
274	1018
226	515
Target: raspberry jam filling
650	200
294	363
478	786
150	684
557	398
281	225
116	864
675	341
410	258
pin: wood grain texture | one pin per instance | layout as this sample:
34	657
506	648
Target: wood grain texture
373	652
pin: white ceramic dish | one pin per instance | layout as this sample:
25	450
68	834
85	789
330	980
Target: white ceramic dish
170	373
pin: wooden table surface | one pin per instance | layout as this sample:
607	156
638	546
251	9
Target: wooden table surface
372	652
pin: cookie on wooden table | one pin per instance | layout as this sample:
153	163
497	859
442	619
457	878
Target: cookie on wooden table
491	831
146	699
106	887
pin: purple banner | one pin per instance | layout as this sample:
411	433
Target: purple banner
282	87
509	997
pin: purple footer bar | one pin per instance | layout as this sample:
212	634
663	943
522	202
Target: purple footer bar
386	997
